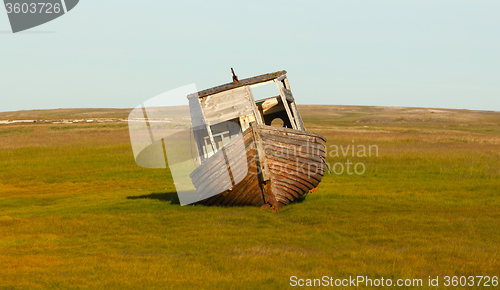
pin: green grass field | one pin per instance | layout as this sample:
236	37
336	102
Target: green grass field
76	212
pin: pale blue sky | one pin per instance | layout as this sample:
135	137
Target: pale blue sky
385	53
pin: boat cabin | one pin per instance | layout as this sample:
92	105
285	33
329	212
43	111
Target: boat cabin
222	113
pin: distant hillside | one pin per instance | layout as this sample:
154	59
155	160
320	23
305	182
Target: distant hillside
321	116
401	118
64	114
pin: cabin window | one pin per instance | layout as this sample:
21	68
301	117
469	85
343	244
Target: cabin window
207	148
272	109
264	90
222	134
220	140
270	104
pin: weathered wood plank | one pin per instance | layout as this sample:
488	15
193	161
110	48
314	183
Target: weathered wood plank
268	104
290	131
300	147
288	95
289	190
282	186
286	195
285	104
213	172
281	77
309	159
244	82
297	116
213	179
214	183
227	105
295	147
234	147
260	154
229	113
300	184
256	112
221	99
282	200
247	191
296	172
291	134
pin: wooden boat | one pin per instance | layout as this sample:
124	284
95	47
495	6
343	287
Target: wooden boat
268	166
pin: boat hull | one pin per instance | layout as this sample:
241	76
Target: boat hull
277	167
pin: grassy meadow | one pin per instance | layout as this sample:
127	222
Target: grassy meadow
76	212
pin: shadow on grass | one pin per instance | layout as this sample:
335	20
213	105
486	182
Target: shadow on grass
300	199
174	199
163	196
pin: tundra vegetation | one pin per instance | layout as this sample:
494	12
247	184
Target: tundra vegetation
77	212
